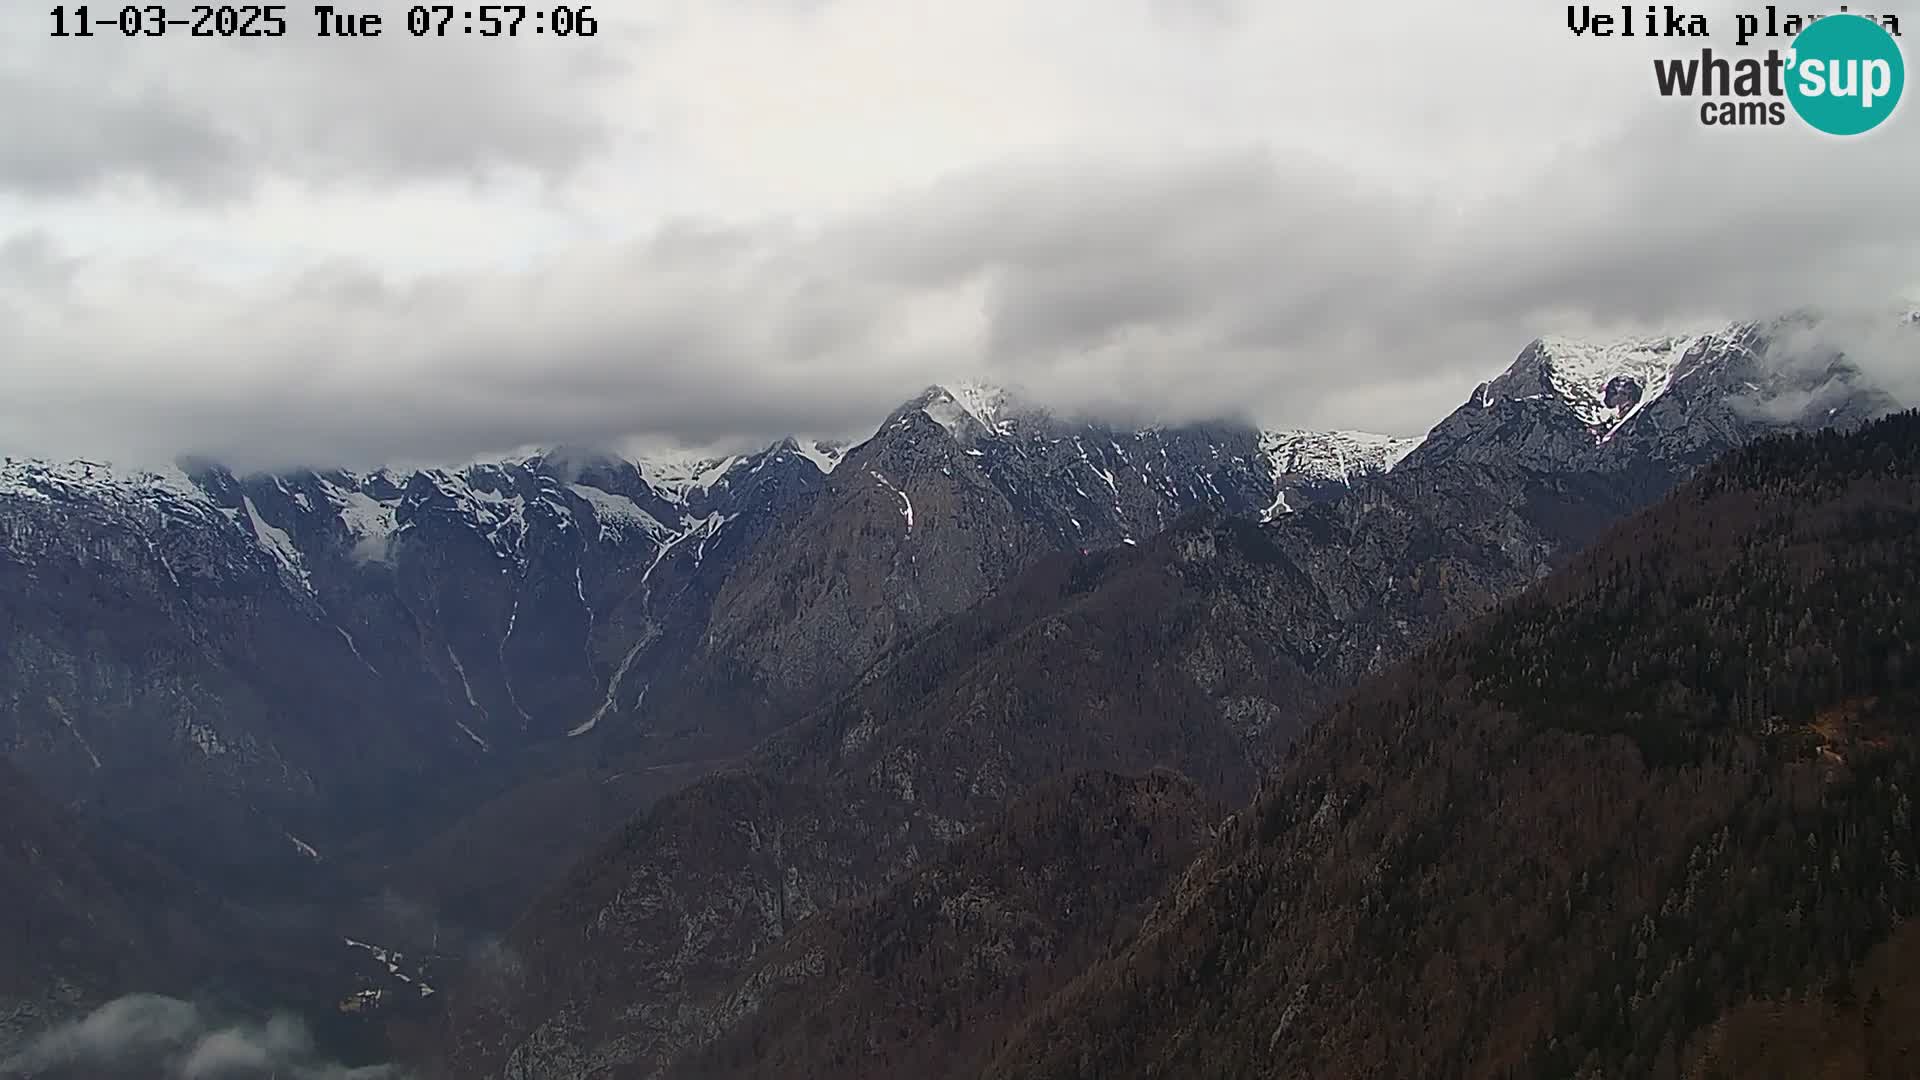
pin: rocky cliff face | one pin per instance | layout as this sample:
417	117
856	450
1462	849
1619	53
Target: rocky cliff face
959	490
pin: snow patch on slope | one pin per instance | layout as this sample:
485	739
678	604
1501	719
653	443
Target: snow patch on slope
370	522
498	515
824	455
277	544
466	685
676	475
1279	505
702	529
1332	456
618	515
906	504
987	404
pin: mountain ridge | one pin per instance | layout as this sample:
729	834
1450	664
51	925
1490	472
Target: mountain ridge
341	682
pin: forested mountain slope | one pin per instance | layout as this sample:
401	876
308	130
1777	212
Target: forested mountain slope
1672	780
910	981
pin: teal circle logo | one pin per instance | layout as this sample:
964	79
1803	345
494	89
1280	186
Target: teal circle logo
1845	74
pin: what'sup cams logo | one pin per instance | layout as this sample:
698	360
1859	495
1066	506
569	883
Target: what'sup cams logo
1841	74
1847	75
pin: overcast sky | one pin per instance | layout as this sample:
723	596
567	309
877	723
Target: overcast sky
724	220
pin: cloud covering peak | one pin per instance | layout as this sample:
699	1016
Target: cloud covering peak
726	222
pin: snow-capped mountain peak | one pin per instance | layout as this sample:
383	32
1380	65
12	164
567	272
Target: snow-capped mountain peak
966	409
1601	382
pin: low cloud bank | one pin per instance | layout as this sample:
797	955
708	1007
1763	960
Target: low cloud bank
162	1038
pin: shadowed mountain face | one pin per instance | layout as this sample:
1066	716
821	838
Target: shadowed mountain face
88	916
287	663
317	652
960	489
956	493
325	693
1571	839
68	932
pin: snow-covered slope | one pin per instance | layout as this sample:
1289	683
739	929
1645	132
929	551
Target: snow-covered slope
29	478
680	475
824	453
1332	457
967	404
1308	466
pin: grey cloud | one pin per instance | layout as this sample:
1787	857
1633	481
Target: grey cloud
1884	345
1211	14
33	260
130	1027
1241	282
1268	279
1220	267
162	1038
251	1050
207	120
67	134
1769	226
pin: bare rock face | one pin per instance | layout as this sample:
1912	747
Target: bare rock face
959	490
1622	393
